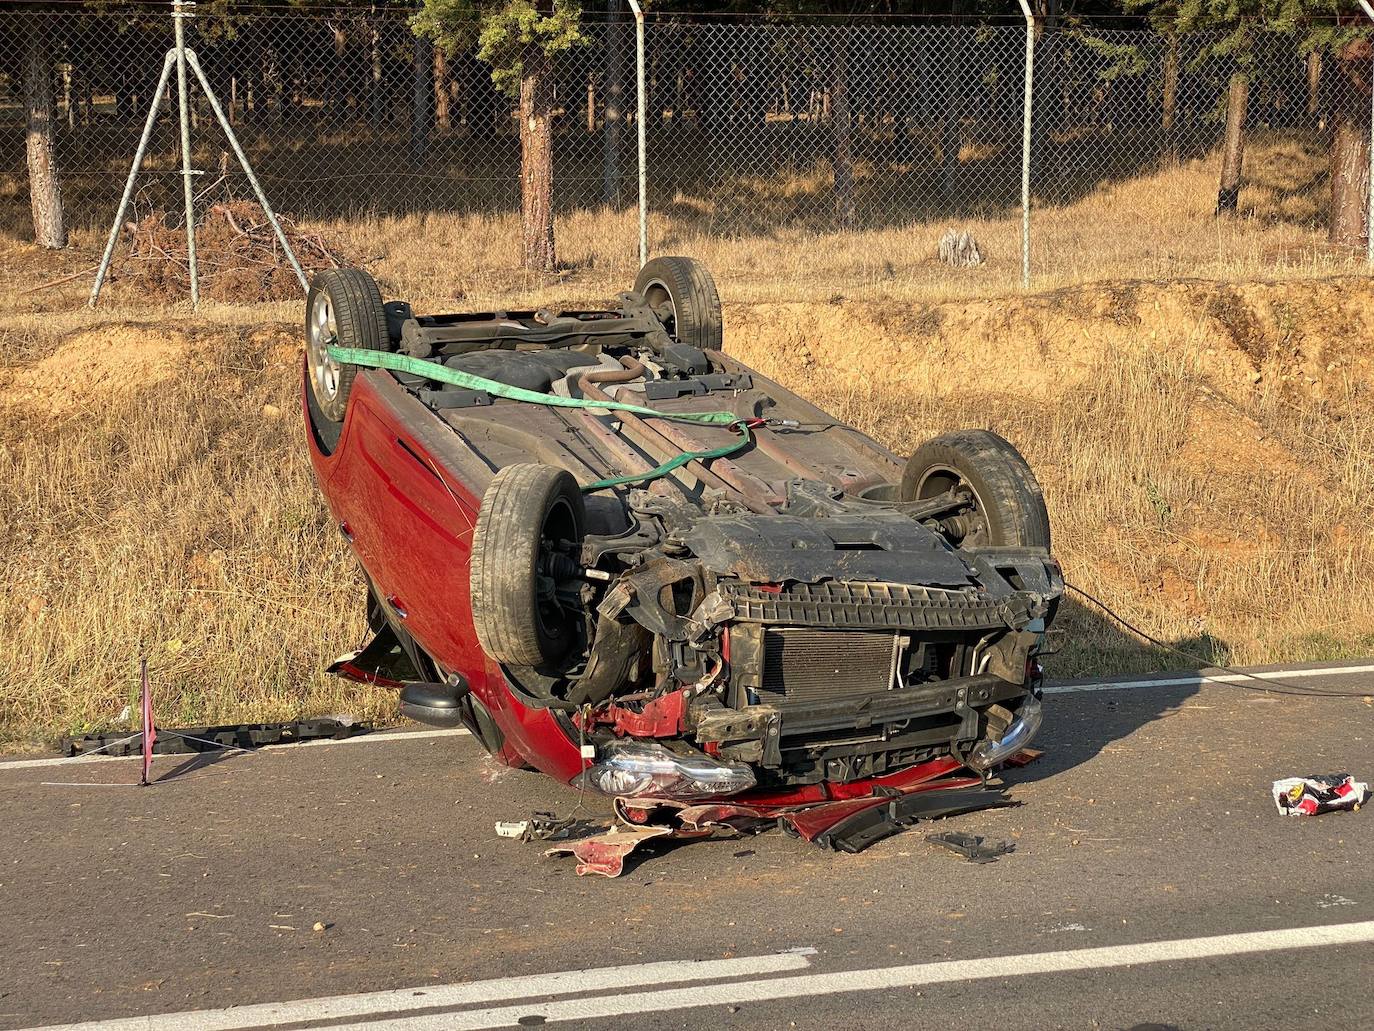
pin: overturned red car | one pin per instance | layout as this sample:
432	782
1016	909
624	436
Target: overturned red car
620	556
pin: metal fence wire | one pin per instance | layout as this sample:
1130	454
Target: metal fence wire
752	126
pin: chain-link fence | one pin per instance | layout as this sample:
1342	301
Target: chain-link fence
341	114
754	127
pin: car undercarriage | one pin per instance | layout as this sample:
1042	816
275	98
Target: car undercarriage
624	557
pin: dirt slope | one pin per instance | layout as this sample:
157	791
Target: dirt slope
1205	451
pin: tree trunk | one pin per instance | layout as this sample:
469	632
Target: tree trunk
614	116
536	159
45	195
842	157
441	115
336	89
1314	82
1233	157
1169	101
374	89
1350	147
952	101
67	96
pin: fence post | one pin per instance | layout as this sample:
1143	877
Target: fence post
247	167
1026	144
1369	201
180	12
640	92
137	164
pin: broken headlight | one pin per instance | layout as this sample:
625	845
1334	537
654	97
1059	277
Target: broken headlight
988	754
632	768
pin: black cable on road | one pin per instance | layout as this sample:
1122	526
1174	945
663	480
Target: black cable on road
1271	686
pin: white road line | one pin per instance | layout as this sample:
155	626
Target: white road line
1189	680
1198	679
432	996
379	738
808	985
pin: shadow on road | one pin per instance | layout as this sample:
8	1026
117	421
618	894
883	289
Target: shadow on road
1080	725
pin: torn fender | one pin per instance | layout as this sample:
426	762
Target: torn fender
605	854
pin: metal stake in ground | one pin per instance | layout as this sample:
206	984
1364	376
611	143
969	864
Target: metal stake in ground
149	730
133	174
248	170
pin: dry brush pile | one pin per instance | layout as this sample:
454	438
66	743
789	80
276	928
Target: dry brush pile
238	255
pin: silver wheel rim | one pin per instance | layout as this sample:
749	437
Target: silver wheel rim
324	370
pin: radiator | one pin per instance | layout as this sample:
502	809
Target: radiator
801	664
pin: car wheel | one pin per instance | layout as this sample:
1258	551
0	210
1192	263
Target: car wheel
530	519
1007	505
683	294
344	307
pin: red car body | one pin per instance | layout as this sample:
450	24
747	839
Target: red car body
392	488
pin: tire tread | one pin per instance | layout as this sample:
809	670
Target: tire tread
505	545
700	320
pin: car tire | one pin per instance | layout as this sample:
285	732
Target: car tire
684	288
1009	506
525	506
344	306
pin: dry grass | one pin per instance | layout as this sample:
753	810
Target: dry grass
1199	413
177	520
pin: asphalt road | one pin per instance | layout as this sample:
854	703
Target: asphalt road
1153	886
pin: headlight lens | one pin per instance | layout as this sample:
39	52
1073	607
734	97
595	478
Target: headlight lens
987	754
631	768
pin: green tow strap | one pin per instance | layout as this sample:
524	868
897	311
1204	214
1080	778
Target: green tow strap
677	463
442	374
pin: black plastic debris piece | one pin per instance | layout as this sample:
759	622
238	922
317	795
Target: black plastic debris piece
856	833
973	847
187	740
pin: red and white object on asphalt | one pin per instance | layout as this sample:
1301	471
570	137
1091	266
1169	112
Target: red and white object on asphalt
1311	796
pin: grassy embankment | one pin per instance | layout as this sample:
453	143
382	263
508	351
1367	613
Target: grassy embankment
1194	395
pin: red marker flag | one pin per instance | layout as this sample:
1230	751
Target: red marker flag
149	730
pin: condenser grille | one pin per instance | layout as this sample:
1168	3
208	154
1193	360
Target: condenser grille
805	665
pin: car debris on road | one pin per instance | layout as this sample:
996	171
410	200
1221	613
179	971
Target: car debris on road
973	847
1312	796
849	823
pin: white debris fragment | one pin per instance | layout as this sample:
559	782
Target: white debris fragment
960	249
